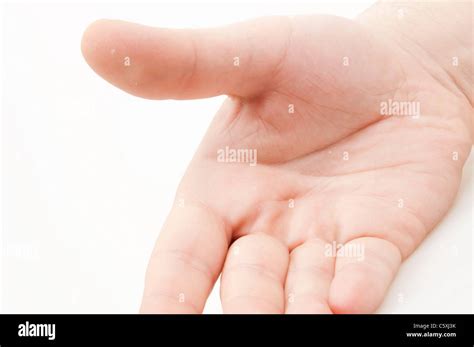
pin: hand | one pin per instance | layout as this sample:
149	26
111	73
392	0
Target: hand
345	187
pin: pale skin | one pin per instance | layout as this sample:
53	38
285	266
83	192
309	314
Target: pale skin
333	170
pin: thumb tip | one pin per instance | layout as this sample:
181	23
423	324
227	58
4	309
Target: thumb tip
93	37
103	45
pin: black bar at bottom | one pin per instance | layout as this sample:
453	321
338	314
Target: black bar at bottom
315	330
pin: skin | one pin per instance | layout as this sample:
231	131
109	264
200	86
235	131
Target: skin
333	172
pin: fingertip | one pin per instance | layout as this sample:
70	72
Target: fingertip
352	296
361	282
108	48
94	45
91	39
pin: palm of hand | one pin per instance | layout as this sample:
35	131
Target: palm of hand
340	194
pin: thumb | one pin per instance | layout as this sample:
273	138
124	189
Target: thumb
156	63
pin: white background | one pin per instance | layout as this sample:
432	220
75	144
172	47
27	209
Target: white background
89	172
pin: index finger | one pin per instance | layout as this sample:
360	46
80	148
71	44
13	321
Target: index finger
186	262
